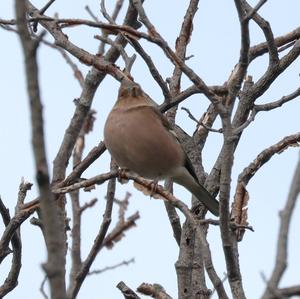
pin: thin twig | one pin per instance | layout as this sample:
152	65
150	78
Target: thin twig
89	204
118	232
250	119
200	123
105	13
190	115
92	156
113	267
42	288
128	60
89	11
152	68
76	71
42	11
117	9
255	9
233	225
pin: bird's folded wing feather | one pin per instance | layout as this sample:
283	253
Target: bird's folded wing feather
167	125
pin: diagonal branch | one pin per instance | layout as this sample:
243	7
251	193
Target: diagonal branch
92	156
266	155
278	103
152	68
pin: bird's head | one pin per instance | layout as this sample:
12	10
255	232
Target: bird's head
129	88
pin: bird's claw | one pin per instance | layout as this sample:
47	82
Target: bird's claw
122	176
153	187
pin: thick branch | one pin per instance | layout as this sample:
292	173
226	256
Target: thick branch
53	226
228	240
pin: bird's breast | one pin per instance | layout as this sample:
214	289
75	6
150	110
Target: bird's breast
142	144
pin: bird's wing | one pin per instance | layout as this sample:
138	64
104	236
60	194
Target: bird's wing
188	164
188	170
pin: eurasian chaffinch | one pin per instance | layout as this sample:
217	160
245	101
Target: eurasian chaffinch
139	138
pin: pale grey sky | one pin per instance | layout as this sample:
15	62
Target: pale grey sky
215	46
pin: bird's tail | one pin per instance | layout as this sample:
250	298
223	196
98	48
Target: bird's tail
199	191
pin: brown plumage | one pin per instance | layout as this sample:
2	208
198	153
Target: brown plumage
140	139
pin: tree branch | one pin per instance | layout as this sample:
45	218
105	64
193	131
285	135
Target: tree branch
53	226
278	103
98	242
126	291
153	290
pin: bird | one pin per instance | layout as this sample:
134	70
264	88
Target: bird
140	138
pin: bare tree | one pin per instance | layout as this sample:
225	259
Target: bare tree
235	103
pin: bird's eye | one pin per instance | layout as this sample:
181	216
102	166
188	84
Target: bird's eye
136	91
